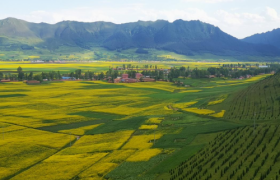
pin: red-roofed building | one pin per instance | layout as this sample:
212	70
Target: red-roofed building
138	75
125	76
117	80
5	80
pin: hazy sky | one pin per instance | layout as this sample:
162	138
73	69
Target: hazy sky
239	18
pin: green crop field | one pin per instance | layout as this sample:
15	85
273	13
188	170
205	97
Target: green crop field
241	153
259	101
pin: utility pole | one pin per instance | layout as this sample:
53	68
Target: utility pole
3	132
154	135
255	124
70	139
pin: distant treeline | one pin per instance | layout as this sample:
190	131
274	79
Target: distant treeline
226	71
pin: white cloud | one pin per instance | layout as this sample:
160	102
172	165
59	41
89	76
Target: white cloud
239	19
78	14
245	24
207	1
272	13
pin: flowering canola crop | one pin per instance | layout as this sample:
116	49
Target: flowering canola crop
144	155
199	111
141	141
220	114
148	127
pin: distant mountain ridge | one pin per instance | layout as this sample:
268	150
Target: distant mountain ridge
183	37
268	38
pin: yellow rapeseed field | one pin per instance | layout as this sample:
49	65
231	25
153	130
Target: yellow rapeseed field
33	57
256	78
190	91
118	156
199	111
60	167
34	144
99	142
144	155
57	103
79	131
165	86
215	102
154	121
4	127
220	114
141	141
97	171
148	127
184	105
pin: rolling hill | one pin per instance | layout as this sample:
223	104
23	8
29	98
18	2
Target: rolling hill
182	37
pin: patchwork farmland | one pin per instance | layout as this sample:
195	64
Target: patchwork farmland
150	130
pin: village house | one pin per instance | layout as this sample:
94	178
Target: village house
248	76
33	82
130	80
148	80
138	75
5	80
263	66
117	80
124	76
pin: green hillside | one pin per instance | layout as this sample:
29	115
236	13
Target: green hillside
260	101
242	153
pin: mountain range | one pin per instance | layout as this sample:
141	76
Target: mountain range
268	38
182	37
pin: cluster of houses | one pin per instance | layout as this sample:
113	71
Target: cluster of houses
25	81
139	78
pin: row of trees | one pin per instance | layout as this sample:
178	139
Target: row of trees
52	75
154	73
218	72
130	66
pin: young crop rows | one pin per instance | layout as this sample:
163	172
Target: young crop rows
239	154
260	101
